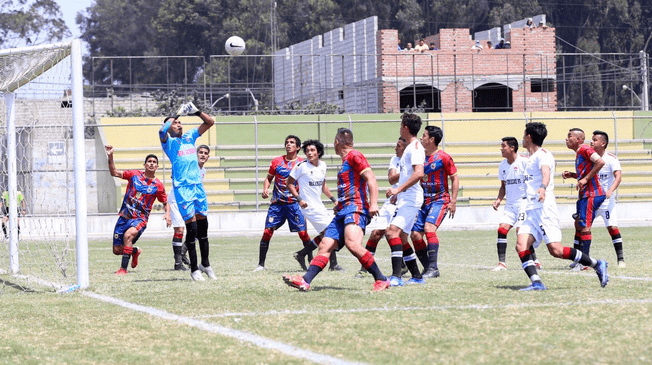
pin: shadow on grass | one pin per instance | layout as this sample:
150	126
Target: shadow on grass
16	286
161	280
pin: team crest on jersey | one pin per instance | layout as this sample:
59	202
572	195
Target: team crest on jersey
271	219
149	190
424	178
433	165
116	236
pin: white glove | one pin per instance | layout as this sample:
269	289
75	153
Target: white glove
188	109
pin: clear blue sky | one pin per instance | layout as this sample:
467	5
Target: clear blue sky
69	9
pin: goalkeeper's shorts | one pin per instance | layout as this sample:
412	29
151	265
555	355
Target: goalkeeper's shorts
191	200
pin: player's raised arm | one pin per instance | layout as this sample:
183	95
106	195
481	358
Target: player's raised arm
163	132
114	172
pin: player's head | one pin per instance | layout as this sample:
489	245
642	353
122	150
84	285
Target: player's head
176	130
537	132
314	143
435	133
575	138
151	163
600	139
203	153
343	138
508	146
412	122
401	143
292	143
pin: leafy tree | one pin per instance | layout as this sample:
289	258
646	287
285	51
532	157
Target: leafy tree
24	22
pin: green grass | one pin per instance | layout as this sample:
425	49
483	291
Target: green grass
468	315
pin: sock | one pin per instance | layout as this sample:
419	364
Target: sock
202	237
421	250
191	234
501	243
368	263
333	259
4	229
177	248
371	246
585	243
617	240
396	246
576	241
410	259
528	265
264	246
316	266
578	256
533	253
433	249
126	255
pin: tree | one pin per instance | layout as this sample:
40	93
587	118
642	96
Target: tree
24	23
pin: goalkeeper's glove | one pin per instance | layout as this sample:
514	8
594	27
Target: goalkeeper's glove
188	109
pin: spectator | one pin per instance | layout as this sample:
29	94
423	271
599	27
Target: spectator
542	24
501	44
529	23
488	44
432	46
421	47
477	46
409	47
399	45
508	45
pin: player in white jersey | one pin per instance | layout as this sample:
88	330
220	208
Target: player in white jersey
180	258
310	174
610	176
512	190
409	199
389	207
541	217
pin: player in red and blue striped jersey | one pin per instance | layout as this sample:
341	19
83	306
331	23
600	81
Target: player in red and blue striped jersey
284	205
438	200
357	203
143	188
591	194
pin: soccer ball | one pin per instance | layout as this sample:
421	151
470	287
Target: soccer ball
234	46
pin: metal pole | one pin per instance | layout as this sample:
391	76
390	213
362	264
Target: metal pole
646	101
12	187
256	154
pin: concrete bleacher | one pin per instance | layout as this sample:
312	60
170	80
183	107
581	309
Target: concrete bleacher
231	181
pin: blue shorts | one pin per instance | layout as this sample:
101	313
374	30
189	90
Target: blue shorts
278	213
586	209
123	224
433	213
191	200
348	215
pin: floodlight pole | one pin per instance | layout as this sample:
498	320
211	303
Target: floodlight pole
637	97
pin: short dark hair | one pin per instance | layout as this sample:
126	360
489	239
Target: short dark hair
512	142
150	156
297	140
412	121
576	130
537	131
345	136
604	135
436	132
313	142
204	147
170	117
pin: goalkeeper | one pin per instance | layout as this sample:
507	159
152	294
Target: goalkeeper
187	181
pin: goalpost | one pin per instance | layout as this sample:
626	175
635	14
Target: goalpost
42	161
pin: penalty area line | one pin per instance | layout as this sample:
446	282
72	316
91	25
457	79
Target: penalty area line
225	331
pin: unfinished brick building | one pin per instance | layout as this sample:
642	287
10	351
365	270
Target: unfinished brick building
340	68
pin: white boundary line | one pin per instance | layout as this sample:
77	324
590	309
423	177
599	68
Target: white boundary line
225	331
433	308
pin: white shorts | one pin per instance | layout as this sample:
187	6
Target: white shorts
608	213
385	215
542	224
177	219
405	215
319	217
511	215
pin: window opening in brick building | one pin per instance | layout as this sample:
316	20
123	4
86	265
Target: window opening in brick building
420	96
492	97
542	85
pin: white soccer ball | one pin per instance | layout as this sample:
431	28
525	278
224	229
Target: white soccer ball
234	46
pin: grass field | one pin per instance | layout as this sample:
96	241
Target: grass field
469	315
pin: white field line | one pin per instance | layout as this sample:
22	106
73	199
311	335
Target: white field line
431	308
225	331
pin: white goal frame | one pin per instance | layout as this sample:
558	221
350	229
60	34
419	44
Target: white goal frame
9	86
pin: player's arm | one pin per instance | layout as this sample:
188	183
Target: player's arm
327	192
293	190
166	215
545	180
25	209
455	187
266	184
598	162
614	186
568	175
393	175
501	195
114	172
372	186
208	122
413	179
163	132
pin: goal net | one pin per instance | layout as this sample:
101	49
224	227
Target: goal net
42	169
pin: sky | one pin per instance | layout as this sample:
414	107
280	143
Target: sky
69	9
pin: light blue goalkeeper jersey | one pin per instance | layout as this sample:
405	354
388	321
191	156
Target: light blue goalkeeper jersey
183	155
